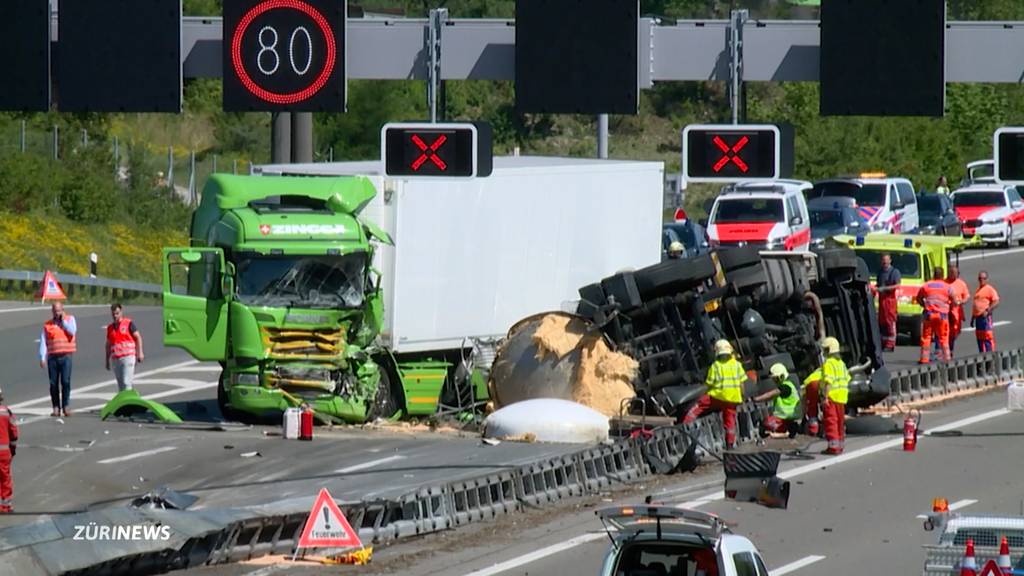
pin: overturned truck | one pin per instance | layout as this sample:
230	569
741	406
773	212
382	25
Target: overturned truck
774	306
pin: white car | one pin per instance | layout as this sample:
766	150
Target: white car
885	204
993	212
769	215
664	540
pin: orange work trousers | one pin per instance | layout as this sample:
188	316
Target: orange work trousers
934	326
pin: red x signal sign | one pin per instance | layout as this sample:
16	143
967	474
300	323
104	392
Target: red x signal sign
731	152
429	152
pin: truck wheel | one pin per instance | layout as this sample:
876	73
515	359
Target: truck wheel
226	411
673	276
386	403
735	258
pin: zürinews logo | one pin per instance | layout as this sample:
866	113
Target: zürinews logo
302	229
104	532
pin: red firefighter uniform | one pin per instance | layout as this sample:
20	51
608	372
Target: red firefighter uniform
836	379
812	398
936	297
725	391
886	283
961	294
8	446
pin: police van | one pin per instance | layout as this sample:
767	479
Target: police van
885	204
770	215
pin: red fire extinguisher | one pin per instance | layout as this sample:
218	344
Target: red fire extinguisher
910	426
306	424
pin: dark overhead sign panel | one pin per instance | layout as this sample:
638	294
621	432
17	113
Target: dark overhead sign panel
432	150
730	152
577	57
25	42
883	57
119	56
284	55
1008	150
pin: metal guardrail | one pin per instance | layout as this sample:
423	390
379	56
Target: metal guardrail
974	372
71	283
204	537
945	560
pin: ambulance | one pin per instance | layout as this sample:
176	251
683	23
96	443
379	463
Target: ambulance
769	215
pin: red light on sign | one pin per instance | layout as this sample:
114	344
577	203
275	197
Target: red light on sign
429	152
730	154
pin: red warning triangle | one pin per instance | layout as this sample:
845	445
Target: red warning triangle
990	569
327	527
49	288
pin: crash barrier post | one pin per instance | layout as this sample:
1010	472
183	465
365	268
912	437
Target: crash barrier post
969	373
108	288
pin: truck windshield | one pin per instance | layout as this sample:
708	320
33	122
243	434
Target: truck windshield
908	263
302	281
865	194
748	210
964	200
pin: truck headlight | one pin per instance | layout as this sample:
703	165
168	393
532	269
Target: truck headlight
246	379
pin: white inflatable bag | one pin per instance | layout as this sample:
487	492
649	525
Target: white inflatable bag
1015	396
548	420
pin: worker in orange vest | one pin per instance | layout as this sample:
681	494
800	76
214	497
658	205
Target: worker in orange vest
986	299
57	344
8	447
936	297
961	294
124	347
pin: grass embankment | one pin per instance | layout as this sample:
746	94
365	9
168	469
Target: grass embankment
39	243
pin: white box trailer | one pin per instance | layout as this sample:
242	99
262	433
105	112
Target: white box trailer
472	257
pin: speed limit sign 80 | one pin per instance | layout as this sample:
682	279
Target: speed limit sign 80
284	55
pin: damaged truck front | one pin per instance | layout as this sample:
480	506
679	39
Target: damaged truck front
774	306
277	287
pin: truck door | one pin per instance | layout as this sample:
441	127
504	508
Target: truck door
195	307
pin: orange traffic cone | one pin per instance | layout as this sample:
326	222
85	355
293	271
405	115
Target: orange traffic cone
969	566
1005	567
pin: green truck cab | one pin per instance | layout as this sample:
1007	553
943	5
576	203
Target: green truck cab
915	257
278	287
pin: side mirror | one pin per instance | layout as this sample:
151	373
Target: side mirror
796	221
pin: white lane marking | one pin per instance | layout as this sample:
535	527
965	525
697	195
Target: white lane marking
794	566
44	413
47	308
719	494
369	464
994	325
953	507
106	383
137	455
992	254
538	554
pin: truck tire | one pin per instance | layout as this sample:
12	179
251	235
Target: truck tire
673	276
228	413
736	258
389	398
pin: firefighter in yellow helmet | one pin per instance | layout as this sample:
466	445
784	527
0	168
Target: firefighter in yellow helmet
786	409
675	250
725	381
836	379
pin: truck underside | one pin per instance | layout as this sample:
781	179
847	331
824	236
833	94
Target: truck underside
775	307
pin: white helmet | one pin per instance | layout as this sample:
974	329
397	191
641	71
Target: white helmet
723	347
830	345
676	247
778	370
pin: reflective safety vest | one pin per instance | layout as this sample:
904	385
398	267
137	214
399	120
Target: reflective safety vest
725	381
788	408
937	297
837	378
57	341
120	339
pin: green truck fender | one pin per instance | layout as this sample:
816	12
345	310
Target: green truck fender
128	402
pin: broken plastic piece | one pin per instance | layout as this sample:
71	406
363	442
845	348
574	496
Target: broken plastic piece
165	498
129	402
